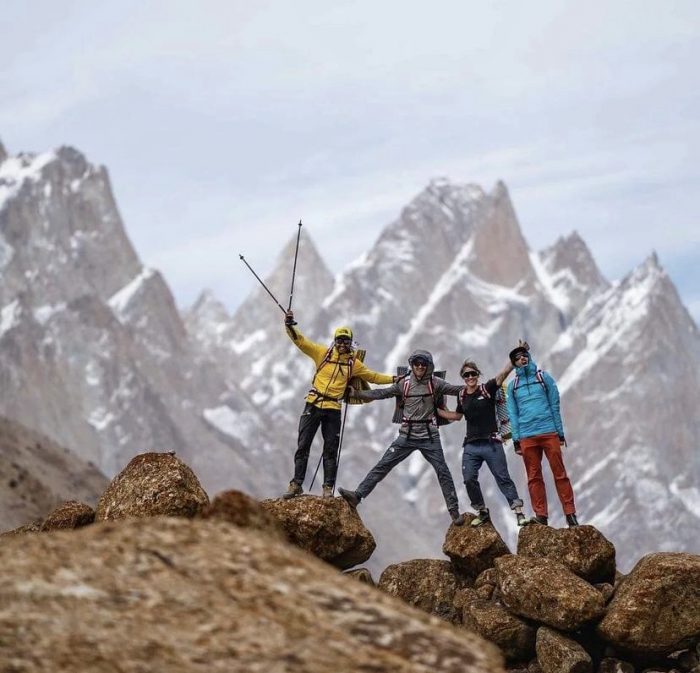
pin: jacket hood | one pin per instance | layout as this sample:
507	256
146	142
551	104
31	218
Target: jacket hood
528	370
425	355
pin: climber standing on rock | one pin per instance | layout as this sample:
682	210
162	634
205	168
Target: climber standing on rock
482	441
419	396
335	366
533	409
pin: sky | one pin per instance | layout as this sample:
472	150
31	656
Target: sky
224	123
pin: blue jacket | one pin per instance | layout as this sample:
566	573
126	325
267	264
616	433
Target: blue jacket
531	410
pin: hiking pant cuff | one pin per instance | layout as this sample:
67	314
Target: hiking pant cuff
516	503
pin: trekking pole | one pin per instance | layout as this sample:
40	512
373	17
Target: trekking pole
294	270
263	284
320	458
340	445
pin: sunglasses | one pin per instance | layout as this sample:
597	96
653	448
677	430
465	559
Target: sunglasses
343	341
420	363
470	375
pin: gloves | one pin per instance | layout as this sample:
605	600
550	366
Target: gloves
562	440
289	319
516	446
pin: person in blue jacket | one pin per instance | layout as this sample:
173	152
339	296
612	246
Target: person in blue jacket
535	417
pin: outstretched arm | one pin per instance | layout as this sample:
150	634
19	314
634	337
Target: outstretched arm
366	374
376	393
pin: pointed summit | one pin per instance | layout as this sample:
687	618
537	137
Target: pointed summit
499	253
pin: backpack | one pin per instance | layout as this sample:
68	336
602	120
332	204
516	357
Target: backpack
438	400
502	420
350	364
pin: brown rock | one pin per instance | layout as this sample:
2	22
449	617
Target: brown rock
72	514
326	527
428	584
152	484
473	550
607	590
583	550
558	654
657	607
513	635
200	596
361	575
485	584
546	591
612	665
33	527
242	510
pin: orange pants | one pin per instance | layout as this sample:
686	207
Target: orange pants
532	448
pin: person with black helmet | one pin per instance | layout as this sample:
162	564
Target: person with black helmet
482	441
535	417
335	366
419	396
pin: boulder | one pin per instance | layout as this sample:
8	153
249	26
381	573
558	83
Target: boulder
607	590
361	575
32	527
152	484
612	665
514	636
558	654
193	595
473	550
71	514
240	509
428	584
485	584
583	550
547	592
325	527
656	609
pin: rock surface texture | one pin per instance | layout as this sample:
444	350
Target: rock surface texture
473	550
153	484
546	591
326	527
242	510
428	584
583	550
72	514
191	596
656	609
558	654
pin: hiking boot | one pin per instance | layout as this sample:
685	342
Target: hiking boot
293	490
457	518
328	491
521	519
571	520
481	518
542	520
350	497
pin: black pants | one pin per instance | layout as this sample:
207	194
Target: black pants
402	448
329	420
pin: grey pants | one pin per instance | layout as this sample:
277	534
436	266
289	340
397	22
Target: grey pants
402	448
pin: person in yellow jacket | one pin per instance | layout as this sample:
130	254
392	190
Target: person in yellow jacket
335	366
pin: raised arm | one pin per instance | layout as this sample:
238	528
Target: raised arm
513	414
509	367
313	350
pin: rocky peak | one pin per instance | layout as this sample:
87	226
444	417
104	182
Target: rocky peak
499	253
3	152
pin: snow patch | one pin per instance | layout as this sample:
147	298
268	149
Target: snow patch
15	171
242	426
247	343
100	418
120	299
44	313
10	316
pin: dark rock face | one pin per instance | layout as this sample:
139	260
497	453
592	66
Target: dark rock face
473	550
361	575
607	591
326	527
242	510
514	636
656	609
612	665
583	550
153	484
558	654
184	596
72	514
428	584
546	591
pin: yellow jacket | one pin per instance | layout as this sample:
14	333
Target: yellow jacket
331	378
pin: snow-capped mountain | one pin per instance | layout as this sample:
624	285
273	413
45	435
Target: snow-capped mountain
93	351
453	274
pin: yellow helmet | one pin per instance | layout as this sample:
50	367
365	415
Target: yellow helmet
343	333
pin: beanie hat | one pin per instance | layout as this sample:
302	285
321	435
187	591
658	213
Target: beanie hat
343	333
517	351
